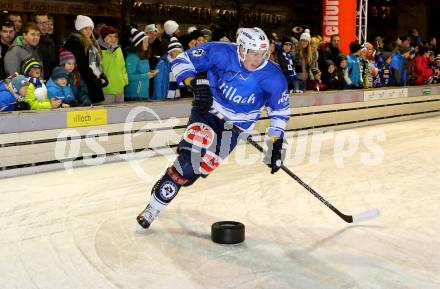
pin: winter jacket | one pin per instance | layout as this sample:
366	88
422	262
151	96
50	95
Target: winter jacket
34	102
79	89
354	72
422	70
94	84
138	79
9	101
399	74
333	80
162	80
113	64
18	52
63	93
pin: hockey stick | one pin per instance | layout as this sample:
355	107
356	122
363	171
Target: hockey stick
360	217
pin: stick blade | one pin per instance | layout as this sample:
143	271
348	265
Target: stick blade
367	215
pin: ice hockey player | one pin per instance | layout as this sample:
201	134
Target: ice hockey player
238	81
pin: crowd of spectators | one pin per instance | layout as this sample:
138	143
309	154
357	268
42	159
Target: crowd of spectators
90	67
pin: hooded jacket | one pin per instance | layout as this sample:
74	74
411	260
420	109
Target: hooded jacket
63	93
18	52
113	65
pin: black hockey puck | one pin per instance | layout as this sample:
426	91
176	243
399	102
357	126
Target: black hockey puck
227	232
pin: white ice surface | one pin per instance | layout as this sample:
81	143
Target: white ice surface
77	230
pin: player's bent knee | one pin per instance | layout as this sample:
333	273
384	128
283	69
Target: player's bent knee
199	134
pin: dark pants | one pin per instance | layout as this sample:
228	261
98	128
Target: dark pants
206	142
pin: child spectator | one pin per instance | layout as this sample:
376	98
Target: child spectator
138	67
58	88
286	61
36	94
330	77
76	83
342	70
165	83
316	84
354	79
113	64
32	69
383	65
12	93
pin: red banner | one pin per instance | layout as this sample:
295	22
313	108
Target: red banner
339	17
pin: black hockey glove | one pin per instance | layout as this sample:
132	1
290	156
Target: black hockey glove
202	100
275	154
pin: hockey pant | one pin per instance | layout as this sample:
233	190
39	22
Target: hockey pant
207	141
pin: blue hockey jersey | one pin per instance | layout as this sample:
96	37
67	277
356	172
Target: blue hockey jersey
239	95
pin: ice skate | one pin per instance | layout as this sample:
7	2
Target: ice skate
146	217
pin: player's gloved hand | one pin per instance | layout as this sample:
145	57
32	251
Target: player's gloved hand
202	100
275	154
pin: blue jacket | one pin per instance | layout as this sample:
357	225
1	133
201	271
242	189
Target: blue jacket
398	67
161	80
7	100
138	80
354	71
65	94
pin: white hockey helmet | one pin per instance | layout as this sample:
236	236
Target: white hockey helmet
254	39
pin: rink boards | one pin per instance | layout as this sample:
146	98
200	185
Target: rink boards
45	140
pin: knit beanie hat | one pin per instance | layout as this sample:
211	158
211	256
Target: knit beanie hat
18	82
59	72
306	35
82	21
65	56
174	45
355	47
170	27
137	36
28	64
150	28
106	30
